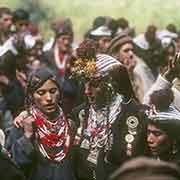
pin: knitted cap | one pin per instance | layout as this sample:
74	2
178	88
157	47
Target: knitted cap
118	41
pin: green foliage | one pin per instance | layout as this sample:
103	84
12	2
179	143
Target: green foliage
140	13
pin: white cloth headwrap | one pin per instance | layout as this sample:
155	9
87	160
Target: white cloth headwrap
166	34
101	31
141	42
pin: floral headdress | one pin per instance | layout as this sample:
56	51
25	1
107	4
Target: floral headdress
84	69
93	68
97	71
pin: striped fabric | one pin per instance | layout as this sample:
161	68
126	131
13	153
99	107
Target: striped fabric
165	116
105	63
171	114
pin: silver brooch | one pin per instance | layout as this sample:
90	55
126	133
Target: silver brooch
132	122
129	138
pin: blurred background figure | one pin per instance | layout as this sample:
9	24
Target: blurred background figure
60	53
121	47
124	27
146	169
148	47
102	35
5	24
102	31
21	20
12	93
169	76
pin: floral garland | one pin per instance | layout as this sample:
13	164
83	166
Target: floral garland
84	68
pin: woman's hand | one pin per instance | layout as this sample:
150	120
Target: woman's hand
28	126
18	121
25	120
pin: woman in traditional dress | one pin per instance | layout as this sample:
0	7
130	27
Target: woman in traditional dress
41	147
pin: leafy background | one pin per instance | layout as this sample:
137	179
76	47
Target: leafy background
140	13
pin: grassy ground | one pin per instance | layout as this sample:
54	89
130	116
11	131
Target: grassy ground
140	13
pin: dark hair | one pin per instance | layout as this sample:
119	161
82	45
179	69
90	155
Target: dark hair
163	61
150	33
151	28
5	10
171	28
20	14
123	23
99	21
108	21
143	168
121	82
8	65
162	99
63	27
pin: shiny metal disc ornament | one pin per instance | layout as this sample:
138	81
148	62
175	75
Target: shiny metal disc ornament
132	122
129	138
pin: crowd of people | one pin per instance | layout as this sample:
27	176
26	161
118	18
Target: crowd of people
106	108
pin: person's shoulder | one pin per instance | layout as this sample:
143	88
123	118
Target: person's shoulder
134	103
135	109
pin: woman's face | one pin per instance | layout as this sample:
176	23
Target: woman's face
46	97
158	141
93	91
